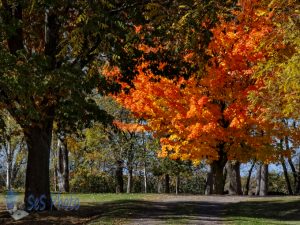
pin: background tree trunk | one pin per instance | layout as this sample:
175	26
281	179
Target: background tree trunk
37	175
9	163
286	176
209	182
167	183
145	178
63	165
298	183
159	184
264	180
119	177
247	192
233	170
177	183
258	179
129	180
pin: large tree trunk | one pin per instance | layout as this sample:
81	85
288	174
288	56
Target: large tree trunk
167	183
119	177
249	178
37	185
63	165
233	170
264	180
258	179
216	179
286	176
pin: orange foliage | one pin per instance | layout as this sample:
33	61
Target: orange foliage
193	117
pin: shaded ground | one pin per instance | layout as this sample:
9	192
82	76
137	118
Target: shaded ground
170	209
269	210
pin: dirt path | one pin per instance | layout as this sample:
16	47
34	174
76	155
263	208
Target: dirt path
185	210
162	209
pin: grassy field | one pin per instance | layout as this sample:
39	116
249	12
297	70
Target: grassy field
110	209
268	210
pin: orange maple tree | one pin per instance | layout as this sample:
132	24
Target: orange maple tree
210	118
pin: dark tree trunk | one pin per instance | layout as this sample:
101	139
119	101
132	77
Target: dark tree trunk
295	175
37	185
129	181
258	179
63	166
167	183
297	191
233	170
217	172
119	177
264	180
249	178
286	176
209	182
218	177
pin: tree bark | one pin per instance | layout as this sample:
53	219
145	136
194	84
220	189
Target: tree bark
235	186
264	180
145	178
159	184
8	175
177	183
209	182
258	179
297	191
63	165
119	177
295	175
9	162
249	178
286	176
167	183
37	184
129	180
217	179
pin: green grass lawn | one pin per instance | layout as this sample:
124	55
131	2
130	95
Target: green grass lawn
269	210
118	209
92	197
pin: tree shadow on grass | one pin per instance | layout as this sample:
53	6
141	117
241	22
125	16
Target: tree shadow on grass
273	210
192	211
